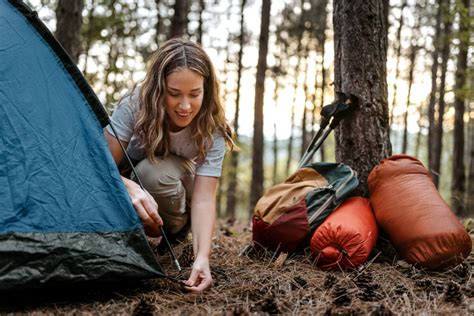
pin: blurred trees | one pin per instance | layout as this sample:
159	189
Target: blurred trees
428	67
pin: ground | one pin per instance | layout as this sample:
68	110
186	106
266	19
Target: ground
251	283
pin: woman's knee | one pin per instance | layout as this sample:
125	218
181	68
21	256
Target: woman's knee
168	171
167	180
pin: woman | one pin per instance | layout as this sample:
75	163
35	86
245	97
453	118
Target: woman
173	126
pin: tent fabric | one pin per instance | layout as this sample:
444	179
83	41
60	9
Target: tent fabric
346	238
418	221
65	214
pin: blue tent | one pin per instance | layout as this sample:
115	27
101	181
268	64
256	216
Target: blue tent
65	215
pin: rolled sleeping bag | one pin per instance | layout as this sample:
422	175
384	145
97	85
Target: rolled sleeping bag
415	217
346	238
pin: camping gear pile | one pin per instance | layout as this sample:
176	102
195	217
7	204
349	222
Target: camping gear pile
292	210
312	208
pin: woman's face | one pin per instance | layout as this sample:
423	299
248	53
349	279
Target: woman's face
185	91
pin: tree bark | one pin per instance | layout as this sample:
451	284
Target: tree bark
419	134
322	150
397	63
293	110
470	178
304	120
293	106
179	21
275	138
412	58
413	52
458	170
68	27
438	140
362	140
234	158
159	23
88	40
258	140
434	88
200	30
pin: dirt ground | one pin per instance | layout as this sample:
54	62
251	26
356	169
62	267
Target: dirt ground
251	283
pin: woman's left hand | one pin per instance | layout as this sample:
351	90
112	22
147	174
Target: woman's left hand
200	278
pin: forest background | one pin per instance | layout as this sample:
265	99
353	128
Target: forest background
279	63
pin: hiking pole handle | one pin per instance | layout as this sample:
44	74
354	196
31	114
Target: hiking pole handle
168	245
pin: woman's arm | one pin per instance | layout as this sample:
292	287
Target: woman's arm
203	214
144	204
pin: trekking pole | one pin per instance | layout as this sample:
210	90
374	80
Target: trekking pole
168	245
331	115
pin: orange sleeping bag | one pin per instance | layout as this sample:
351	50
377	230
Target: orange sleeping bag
417	220
346	237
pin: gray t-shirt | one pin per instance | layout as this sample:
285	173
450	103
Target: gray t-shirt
123	119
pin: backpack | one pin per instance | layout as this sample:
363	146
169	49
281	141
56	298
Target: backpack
288	214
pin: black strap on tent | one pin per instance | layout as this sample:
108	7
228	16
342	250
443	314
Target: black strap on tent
344	104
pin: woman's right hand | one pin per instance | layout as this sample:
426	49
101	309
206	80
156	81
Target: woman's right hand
146	208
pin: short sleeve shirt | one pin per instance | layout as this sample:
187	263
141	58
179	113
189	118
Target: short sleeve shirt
181	144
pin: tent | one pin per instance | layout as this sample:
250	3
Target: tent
65	215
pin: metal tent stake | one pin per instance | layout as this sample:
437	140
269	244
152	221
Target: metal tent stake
168	245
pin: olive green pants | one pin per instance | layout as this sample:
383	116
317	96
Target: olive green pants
170	181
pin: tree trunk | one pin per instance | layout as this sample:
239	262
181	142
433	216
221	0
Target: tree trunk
322	151
88	40
276	78
68	27
438	140
458	170
258	141
275	138
362	140
304	131
234	158
397	64
159	23
413	52
202	7
419	134
293	110
179	21
434	88
470	178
